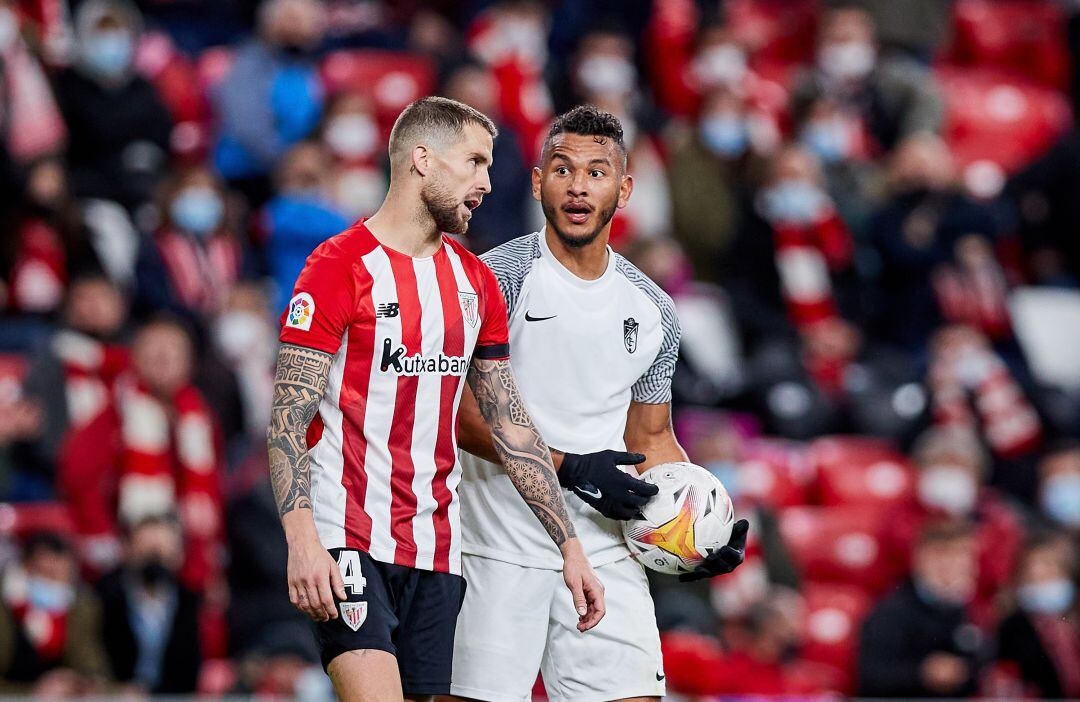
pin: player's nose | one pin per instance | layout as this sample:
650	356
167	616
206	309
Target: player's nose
484	184
578	185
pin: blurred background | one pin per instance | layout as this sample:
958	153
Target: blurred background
868	214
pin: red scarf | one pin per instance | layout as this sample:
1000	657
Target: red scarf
200	275
45	630
963	364
39	274
90	369
976	296
170	461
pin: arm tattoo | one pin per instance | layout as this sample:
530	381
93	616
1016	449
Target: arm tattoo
299	385
520	447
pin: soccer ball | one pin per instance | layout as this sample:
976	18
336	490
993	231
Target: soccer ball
688	520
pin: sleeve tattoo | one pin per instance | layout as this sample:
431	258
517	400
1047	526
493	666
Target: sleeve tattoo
519	445
299	384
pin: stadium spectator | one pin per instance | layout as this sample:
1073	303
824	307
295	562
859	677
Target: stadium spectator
151	620
272	97
892	98
118	128
50	625
1040	640
241	336
953	468
918	642
71	379
300	217
504	214
157	450
925	278
196	256
714	170
351	133
1059	486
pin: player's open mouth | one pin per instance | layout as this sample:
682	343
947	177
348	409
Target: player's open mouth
472	203
577	212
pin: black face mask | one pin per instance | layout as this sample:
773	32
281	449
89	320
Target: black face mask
154	573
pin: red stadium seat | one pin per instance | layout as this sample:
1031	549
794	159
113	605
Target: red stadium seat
860	471
1026	37
838	545
992	116
391	79
18	520
776	473
834	613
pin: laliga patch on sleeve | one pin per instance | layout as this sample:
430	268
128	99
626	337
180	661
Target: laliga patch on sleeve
301	311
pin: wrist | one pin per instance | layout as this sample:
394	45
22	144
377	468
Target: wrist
299	525
571	548
568	469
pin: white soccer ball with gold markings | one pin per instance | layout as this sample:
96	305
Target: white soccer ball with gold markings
686	522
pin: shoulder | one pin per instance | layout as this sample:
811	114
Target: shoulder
646	286
345	247
514	258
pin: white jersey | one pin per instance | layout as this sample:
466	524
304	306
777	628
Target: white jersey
581	351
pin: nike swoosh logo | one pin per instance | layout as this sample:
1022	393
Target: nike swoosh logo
529	318
660	677
595	494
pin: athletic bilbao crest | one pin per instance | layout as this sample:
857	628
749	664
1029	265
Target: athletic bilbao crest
468	307
629	334
353	614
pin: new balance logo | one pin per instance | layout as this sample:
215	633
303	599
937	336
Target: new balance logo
387	309
395	359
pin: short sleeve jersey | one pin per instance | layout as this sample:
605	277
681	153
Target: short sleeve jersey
402	332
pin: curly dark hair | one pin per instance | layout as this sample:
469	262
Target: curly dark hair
587	120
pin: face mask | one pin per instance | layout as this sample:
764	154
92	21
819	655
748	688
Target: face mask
606	75
108	54
1054	597
239	335
9	28
725	134
352	136
793	201
829	139
721	65
153	573
197	210
1060	499
48	595
931	595
849	60
949	488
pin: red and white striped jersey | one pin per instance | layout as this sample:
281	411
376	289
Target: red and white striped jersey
383	448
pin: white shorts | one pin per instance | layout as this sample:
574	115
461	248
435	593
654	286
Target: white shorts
516	621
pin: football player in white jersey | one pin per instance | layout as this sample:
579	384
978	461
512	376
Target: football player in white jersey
594	348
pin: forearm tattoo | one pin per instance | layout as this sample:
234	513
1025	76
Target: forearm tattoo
299	384
520	447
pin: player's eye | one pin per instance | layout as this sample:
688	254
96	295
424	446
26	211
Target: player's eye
596	173
562	170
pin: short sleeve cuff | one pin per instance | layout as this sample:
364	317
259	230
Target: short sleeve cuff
493	352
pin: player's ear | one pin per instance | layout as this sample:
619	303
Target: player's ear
421	159
625	188
536	174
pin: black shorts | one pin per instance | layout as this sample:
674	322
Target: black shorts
407	612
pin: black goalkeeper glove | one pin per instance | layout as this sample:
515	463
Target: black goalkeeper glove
596	479
727	559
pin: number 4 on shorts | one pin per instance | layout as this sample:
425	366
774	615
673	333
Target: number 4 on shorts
349	565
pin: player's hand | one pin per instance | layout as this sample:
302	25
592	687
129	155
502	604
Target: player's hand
596	479
314	577
727	559
585	587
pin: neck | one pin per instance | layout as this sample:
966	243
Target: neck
404	225
587	262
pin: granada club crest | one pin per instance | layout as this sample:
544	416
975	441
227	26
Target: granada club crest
353	614
629	334
468	307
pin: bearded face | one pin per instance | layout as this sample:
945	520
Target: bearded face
449	213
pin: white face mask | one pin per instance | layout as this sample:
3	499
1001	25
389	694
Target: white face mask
9	28
849	60
1053	597
724	64
240	335
352	136
1060	498
949	488
606	75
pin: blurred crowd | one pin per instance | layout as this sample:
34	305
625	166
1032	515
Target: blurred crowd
866	212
